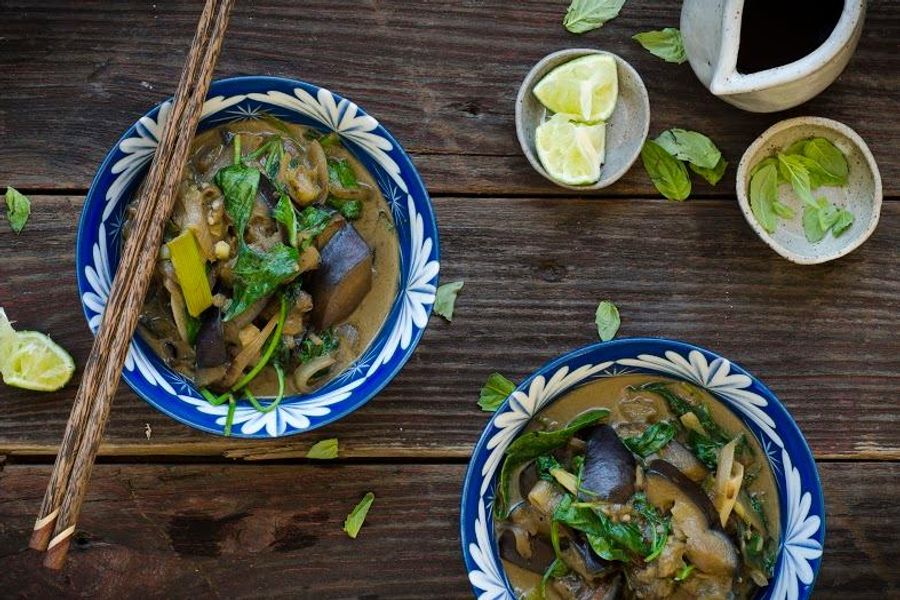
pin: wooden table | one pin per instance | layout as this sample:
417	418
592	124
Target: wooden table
178	513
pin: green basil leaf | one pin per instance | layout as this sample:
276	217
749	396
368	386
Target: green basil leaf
829	158
763	194
323	450
311	222
652	440
585	15
795	149
607	320
445	299
783	210
238	184
258	273
765	163
828	214
794	171
611	541
340	172
843	222
285	214
658	525
668	174
664	43
18	209
812	225
711	175
309	349
350	209
354	521
691	146
496	389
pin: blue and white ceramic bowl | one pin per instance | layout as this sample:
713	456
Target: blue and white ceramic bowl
799	491
99	242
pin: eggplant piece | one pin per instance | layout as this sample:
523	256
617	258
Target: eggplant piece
542	554
684	460
581	558
210	345
343	278
334	225
707	546
609	468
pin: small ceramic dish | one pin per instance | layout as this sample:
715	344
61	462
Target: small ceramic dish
800	499
626	129
98	250
862	195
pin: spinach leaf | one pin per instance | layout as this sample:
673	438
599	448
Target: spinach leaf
793	170
654	438
607	320
545	464
350	209
585	15
831	160
309	349
691	146
714	175
340	172
18	209
285	214
610	540
311	222
495	390
238	184
658	525
258	273
705	449
323	450
445	299
665	43
763	196
668	174
354	521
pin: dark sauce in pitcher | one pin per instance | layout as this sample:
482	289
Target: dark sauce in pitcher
778	32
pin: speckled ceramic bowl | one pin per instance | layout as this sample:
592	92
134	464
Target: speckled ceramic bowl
626	129
862	196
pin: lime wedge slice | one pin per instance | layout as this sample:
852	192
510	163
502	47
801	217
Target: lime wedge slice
7	339
571	152
585	88
34	362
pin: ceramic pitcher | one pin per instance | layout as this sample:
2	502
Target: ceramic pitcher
712	31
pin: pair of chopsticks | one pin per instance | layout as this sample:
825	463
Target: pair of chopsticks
72	469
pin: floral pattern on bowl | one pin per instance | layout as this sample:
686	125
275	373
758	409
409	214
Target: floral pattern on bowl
98	250
801	500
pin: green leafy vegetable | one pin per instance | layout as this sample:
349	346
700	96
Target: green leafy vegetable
823	216
274	342
585	15
258	273
285	214
357	516
844	220
610	540
763	196
783	210
310	348
311	222
793	170
323	449
494	391
350	209
668	174
340	172
331	139
664	43
831	160
705	449
238	184
445	299
690	146
535	443
274	403
18	209
607	320
557	568
654	438
657	525
714	175
684	572
545	464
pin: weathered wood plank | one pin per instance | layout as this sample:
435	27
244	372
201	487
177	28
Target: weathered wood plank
443	79
824	338
275	531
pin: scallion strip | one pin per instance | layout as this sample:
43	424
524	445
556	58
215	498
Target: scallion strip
212	398
267	409
270	349
229	418
237	149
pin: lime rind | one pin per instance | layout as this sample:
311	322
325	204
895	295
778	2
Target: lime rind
31	360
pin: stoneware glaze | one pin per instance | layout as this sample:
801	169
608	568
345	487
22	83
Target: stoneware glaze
712	29
626	128
800	498
98	251
862	196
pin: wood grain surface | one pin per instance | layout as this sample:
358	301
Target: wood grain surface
441	76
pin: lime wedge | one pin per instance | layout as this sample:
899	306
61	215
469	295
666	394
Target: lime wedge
7	339
585	88
33	361
571	152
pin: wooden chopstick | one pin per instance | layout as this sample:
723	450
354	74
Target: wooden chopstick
65	493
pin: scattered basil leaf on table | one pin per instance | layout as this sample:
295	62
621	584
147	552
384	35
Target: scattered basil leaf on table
495	390
445	299
18	209
357	516
763	195
607	320
690	146
664	43
258	273
714	175
668	174
585	15
323	449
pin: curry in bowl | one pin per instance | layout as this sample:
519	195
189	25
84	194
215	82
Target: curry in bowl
636	486
279	264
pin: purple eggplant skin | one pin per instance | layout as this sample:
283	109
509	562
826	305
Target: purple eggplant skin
210	343
343	278
666	483
542	554
609	468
